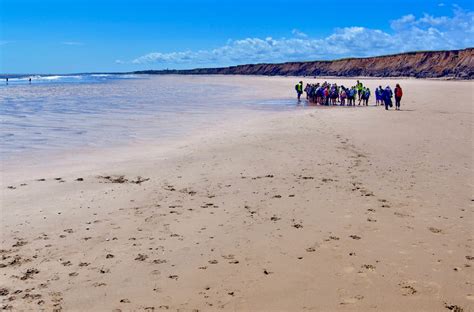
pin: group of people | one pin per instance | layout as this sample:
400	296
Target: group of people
331	94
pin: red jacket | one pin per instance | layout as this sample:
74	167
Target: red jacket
398	92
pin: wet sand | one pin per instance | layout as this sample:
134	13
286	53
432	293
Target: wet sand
322	209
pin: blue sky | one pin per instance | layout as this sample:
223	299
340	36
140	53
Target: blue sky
65	36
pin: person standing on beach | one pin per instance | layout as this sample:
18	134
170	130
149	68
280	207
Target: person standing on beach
6	80
378	96
359	87
398	96
387	97
343	96
29	80
307	90
299	90
366	96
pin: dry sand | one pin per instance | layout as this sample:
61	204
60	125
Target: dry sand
321	209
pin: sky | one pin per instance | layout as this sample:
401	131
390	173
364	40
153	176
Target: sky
71	36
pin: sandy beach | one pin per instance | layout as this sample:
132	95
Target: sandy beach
317	209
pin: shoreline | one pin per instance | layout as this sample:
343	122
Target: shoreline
315	209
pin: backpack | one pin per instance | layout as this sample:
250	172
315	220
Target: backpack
398	92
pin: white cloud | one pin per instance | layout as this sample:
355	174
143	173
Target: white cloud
298	33
402	21
409	33
72	43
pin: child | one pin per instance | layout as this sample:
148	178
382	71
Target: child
343	96
378	96
366	96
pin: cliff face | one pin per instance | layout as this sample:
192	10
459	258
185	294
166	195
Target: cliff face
457	64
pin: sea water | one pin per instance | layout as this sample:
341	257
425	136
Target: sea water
57	113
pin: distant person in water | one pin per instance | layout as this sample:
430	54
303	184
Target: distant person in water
398	96
6	79
387	97
29	80
299	89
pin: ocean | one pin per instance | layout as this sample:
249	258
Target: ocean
58	113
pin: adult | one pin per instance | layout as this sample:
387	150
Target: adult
398	96
387	97
359	87
299	90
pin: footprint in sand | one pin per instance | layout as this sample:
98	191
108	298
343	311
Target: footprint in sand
453	307
408	290
159	261
29	274
104	271
141	257
352	300
20	243
368	267
435	230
